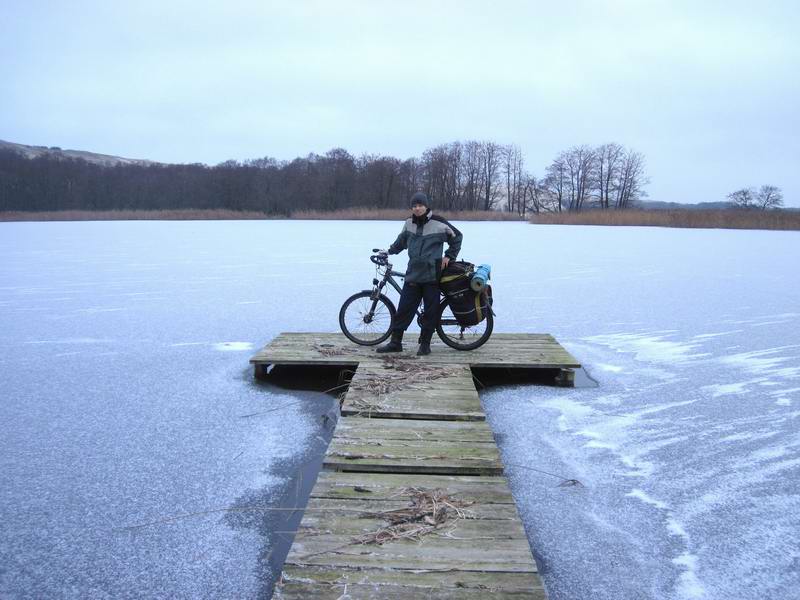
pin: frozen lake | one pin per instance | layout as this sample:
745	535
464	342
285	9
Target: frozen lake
137	454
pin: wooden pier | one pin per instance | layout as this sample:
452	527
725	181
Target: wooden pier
412	501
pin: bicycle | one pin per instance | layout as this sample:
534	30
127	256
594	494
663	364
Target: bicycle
366	317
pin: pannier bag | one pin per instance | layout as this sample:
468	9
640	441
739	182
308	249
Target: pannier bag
468	307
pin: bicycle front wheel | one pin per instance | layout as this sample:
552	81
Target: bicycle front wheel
365	320
460	337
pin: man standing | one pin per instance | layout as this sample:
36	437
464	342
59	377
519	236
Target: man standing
424	236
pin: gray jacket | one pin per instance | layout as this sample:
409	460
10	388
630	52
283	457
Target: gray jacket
424	238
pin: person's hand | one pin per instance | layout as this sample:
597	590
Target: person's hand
445	262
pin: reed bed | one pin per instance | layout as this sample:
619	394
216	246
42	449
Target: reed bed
701	219
395	214
136	215
351	214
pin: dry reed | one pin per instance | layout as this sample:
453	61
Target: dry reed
332	350
428	511
135	215
701	219
393	214
227	215
400	373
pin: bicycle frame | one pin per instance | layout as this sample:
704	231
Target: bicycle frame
388	278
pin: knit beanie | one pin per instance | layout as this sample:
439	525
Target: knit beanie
420	198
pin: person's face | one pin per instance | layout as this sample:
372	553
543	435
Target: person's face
419	209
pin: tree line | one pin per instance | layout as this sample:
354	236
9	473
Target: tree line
766	197
471	175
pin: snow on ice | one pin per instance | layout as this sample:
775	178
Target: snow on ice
136	441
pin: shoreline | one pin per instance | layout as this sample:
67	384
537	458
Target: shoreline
689	219
356	214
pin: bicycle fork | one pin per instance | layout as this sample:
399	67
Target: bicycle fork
377	287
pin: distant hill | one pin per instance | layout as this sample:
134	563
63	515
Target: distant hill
105	160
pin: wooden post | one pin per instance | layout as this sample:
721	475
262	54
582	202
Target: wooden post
565	378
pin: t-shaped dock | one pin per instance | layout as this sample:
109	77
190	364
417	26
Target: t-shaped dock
412	501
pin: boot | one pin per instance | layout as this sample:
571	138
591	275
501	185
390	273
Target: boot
425	342
394	345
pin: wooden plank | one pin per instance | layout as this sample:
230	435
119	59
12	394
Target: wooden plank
436	376
416	406
339	335
355	353
413	410
385	486
517	361
518	350
420	430
413	456
332	508
462	548
419	390
445	392
370	584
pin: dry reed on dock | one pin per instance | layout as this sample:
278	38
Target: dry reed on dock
428	511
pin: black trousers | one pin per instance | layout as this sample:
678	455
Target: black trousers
410	298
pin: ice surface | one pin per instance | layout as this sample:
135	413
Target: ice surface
128	400
688	450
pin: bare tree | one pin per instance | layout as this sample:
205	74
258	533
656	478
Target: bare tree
743	198
472	182
609	159
580	161
631	180
513	171
455	164
491	171
556	181
536	196
769	197
434	169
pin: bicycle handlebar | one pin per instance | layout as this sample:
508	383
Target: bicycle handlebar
380	258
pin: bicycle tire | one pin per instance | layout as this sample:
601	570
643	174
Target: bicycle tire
373	331
447	328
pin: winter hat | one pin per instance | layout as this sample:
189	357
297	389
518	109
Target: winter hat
420	198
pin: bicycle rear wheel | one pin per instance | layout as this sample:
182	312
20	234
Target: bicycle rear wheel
455	335
365	320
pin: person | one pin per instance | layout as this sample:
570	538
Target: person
424	235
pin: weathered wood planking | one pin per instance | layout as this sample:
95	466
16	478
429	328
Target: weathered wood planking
412	424
337	583
524	350
442	392
418	431
480	490
470	545
403	446
470	558
414	457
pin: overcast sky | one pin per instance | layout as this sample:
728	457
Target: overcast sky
709	92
